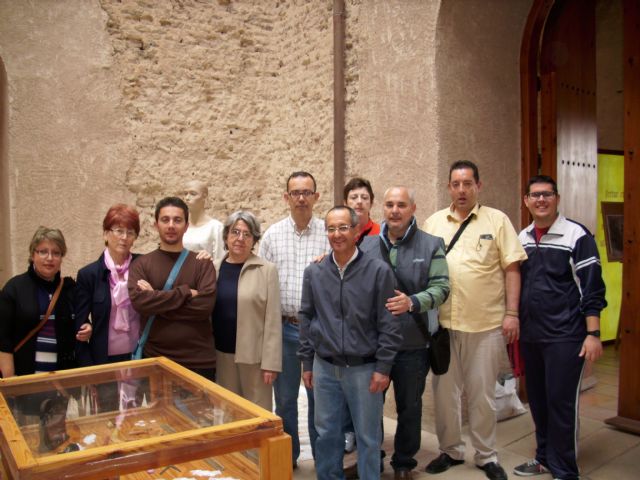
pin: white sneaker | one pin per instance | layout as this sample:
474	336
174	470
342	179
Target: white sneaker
349	442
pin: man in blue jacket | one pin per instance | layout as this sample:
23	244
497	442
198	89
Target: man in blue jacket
560	302
348	340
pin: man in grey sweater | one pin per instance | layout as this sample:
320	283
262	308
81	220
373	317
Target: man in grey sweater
348	341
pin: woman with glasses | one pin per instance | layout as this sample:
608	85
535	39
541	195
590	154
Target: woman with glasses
37	328
102	296
247	324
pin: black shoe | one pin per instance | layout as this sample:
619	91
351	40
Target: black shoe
493	471
441	464
403	475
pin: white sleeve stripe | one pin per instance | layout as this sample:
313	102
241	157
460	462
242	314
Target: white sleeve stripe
587	262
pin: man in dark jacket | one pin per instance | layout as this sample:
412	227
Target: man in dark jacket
348	340
560	302
418	260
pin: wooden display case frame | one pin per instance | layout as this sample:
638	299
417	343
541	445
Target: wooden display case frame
260	429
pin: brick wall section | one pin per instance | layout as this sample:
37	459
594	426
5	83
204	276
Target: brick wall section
237	94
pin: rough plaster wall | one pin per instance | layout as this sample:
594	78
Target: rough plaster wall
477	68
392	111
126	100
237	94
609	71
66	141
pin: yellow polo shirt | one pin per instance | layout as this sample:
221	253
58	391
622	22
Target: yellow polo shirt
476	263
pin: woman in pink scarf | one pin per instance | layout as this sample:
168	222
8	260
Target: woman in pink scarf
102	293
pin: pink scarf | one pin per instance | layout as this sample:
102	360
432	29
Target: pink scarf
119	274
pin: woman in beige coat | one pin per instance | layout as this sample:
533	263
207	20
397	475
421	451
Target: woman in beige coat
247	324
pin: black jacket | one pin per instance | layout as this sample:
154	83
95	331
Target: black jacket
19	314
93	303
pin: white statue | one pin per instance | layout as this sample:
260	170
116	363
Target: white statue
204	232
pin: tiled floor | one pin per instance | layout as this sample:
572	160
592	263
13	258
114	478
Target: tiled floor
605	453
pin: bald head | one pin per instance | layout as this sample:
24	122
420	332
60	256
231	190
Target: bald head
398	207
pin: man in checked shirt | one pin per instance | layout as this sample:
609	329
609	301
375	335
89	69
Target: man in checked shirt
291	244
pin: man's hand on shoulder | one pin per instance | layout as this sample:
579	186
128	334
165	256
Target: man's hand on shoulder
203	255
319	258
379	382
591	348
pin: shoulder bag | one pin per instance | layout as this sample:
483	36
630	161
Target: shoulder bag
52	304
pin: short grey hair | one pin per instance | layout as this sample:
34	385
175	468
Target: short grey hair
410	191
352	214
248	218
51	234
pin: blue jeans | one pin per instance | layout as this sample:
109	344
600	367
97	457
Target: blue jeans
335	388
286	388
408	375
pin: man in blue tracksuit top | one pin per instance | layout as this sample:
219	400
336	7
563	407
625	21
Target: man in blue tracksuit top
348	341
560	302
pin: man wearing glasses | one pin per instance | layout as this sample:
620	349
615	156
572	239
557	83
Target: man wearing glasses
348	340
484	255
562	297
291	244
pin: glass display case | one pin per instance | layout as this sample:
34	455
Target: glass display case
144	419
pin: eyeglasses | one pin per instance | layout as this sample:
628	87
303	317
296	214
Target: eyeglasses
544	194
46	253
301	193
122	233
242	234
341	229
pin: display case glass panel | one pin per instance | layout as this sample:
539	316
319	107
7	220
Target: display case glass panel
140	417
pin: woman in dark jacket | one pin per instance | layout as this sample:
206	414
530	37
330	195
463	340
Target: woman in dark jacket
24	300
102	295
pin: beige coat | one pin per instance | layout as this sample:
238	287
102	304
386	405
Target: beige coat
259	327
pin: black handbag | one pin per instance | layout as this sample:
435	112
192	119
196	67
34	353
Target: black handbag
439	351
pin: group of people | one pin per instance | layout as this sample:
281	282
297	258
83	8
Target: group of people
346	304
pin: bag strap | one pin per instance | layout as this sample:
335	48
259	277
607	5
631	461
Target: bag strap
415	315
167	286
52	304
459	232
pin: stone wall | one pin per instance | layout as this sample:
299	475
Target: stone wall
113	101
237	94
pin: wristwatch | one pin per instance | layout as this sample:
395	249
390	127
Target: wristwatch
410	305
595	333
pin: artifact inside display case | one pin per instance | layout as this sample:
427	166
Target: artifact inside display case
144	419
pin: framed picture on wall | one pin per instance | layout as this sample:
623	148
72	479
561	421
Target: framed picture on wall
613	220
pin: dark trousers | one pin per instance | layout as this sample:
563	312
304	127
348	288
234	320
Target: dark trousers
553	373
409	374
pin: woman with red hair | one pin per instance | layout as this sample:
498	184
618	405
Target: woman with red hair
102	296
